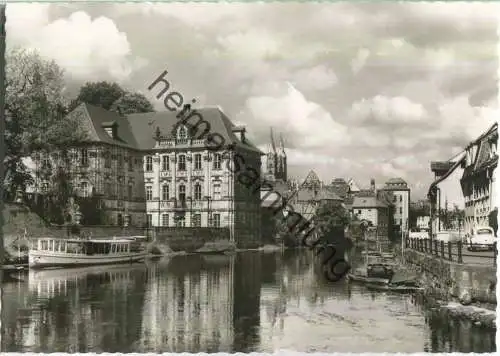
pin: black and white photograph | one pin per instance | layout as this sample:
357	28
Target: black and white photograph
207	177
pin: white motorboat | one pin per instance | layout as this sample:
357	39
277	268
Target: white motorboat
56	252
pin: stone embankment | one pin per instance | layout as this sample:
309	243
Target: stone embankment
459	290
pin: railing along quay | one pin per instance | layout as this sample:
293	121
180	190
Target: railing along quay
450	251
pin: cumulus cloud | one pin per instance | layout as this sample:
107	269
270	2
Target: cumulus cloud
86	48
387	110
375	89
317	78
306	122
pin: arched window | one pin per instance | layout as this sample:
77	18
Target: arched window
197	191
182	192
165	192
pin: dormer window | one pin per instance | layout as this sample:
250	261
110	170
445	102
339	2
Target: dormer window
110	127
182	133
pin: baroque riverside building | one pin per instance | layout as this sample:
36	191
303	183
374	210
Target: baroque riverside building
146	170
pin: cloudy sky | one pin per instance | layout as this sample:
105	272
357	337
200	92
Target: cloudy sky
358	90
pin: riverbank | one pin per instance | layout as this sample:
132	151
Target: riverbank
457	290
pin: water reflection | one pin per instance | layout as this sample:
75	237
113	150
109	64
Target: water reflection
242	303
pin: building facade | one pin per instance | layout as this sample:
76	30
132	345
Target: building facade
479	178
151	169
371	209
108	167
401	201
445	192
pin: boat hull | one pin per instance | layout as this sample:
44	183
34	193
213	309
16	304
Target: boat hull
368	280
42	259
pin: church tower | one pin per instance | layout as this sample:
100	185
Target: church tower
271	159
282	167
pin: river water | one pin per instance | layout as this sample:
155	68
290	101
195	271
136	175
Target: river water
252	301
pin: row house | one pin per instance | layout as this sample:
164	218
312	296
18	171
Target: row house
479	177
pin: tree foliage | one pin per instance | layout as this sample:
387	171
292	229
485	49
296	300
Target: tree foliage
111	96
36	110
131	103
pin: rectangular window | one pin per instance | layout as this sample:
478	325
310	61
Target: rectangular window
120	161
164	219
401	210
130	163
149	164
395	199
149	192
84	189
165	193
107	160
130	191
182	163
400	198
216	220
216	193
197	161
359	211
149	220
196	220
84	157
197	191
217	161
165	163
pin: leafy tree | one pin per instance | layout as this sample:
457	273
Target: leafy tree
35	114
131	103
102	94
111	96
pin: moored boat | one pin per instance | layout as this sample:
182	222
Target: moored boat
55	252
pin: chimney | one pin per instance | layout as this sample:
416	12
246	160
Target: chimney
239	131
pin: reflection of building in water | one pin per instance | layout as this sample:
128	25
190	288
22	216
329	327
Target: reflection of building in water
66	317
189	311
273	302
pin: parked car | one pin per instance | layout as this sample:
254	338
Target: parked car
482	238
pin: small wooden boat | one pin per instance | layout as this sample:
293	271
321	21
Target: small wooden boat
55	252
356	277
393	288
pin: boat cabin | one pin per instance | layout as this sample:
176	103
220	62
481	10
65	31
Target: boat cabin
85	247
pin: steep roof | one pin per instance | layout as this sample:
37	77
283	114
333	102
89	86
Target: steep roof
144	125
328	194
397	180
137	131
94	119
367	202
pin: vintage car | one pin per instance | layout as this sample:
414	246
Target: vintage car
482	238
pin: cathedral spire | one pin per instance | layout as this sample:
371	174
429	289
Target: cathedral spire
282	147
273	145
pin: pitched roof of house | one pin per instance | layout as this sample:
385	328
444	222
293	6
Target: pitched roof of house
447	174
138	130
367	202
311	179
94	119
397	180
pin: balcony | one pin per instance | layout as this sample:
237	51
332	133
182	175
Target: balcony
180	205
